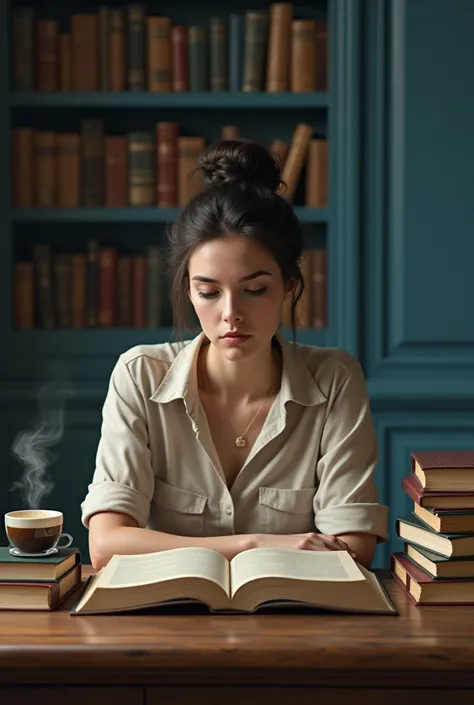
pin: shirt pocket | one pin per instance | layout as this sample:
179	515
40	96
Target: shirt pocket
285	511
178	511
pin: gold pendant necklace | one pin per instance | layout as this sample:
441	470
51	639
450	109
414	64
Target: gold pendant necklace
240	441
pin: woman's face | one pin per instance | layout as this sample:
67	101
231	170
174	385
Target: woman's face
236	288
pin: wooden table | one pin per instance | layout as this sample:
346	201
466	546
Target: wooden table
426	655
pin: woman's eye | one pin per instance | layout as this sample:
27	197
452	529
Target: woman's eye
207	294
257	292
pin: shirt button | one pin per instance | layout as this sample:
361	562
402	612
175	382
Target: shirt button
229	510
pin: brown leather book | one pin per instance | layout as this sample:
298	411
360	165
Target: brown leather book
190	183
24	295
61	264
124	291
167	134
319	288
423	589
180	54
46	177
141	169
65	62
442	499
44	284
159	64
107	290
444	470
139	290
155	288
103	19
92	282
116	172
317	174
85	52
69	170
78	290
279	149
22	167
92	186
303	56
47	55
136	45
279	47
255	45
296	157
230	132
23	49
116	60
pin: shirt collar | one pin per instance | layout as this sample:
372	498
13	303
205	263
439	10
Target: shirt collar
180	382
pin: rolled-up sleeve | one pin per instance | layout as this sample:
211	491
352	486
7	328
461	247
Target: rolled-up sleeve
123	480
346	499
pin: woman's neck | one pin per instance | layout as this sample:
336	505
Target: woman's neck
242	381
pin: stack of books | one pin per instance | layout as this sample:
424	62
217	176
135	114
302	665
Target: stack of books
38	583
437	563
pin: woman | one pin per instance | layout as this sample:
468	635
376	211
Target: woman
237	438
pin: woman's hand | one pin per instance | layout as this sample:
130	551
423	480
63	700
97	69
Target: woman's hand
302	542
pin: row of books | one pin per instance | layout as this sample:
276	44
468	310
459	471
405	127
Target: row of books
118	49
437	563
38	584
105	288
142	168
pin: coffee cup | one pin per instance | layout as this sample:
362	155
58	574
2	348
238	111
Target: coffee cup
35	532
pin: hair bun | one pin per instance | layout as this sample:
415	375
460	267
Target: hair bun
240	162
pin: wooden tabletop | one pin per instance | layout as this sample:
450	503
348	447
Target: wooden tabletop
435	643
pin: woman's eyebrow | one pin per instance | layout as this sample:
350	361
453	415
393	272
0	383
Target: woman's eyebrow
248	277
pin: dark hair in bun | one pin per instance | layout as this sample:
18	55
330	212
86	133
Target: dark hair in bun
241	195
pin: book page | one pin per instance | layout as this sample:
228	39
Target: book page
332	566
143	569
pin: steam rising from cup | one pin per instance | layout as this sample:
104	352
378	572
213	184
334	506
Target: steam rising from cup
31	447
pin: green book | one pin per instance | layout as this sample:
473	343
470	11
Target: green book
437	566
14	568
414	530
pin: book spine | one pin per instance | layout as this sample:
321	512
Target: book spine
155	286
116	49
23	48
139	291
103	30
92	254
190	183
321	57
230	132
45	169
47	55
62	289
141	168
23	141
296	156
124	291
44	285
219	56
92	163
180	58
24	295
116	172
236	51
107	289
159	54
279	47
304	314
69	170
136	47
85	52
317	174
303	56
279	149
78	290
254	51
167	164
198	58
65	63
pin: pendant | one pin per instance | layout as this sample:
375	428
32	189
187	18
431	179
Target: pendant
240	442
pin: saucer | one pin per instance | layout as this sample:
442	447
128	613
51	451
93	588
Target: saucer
43	554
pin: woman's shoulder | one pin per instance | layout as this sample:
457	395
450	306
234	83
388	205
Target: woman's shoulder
329	366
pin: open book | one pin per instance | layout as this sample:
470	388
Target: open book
253	579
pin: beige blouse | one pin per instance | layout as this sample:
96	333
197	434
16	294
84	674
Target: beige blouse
312	464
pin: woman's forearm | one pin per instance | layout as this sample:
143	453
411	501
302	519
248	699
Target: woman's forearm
134	540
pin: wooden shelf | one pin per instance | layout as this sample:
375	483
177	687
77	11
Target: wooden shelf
131	215
169	100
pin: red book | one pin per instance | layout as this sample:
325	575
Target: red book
436	499
167	164
179	54
116	172
423	589
444	470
